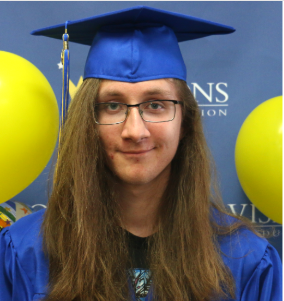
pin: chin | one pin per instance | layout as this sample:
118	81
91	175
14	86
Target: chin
144	176
137	178
137	181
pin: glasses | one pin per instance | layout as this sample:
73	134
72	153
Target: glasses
107	113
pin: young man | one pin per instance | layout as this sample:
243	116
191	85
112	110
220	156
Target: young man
132	215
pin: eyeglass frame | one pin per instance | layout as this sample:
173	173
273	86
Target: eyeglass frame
137	105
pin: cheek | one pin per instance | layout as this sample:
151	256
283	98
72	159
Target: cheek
172	133
108	140
168	140
108	145
174	137
179	131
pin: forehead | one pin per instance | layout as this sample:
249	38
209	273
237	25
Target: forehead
160	88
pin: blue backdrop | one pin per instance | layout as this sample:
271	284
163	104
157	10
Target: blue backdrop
242	70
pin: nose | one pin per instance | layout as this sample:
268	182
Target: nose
134	127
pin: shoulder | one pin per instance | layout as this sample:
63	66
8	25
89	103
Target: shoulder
26	239
255	265
22	243
252	260
243	243
27	229
240	242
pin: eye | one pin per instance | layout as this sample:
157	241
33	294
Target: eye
154	105
112	106
109	108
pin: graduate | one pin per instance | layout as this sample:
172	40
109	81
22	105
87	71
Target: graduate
134	213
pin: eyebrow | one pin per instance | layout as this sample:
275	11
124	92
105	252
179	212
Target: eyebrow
155	91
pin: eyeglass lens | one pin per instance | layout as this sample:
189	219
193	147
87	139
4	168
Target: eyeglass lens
152	111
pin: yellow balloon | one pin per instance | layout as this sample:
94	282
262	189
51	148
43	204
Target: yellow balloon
258	157
29	122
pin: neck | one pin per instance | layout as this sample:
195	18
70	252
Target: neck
140	205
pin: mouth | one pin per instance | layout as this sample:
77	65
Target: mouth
137	152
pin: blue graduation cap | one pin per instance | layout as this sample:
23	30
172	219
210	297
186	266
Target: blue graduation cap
134	44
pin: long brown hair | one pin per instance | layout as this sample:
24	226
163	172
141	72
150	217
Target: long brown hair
87	248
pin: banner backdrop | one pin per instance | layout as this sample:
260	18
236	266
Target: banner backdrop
230	75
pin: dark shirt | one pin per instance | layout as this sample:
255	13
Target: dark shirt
139	274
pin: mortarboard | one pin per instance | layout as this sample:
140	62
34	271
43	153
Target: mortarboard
132	45
135	44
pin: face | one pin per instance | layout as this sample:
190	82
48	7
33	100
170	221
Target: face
140	152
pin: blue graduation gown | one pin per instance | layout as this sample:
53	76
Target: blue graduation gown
255	264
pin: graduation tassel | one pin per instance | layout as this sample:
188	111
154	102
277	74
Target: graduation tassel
65	77
65	83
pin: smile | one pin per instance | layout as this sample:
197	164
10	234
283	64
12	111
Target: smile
137	153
